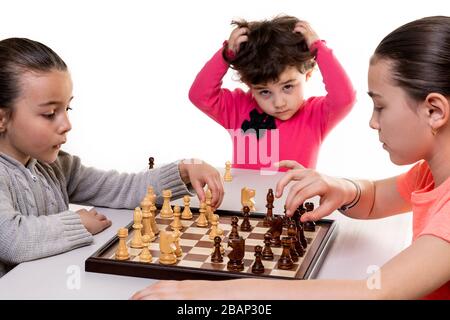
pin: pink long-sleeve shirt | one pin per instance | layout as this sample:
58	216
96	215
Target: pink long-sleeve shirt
298	138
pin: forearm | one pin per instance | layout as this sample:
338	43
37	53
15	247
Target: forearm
363	208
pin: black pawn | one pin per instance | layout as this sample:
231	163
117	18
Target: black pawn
234	234
245	225
217	256
309	225
267	253
269	215
292	233
285	261
258	267
151	162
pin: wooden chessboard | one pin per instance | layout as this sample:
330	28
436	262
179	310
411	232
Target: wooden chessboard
195	263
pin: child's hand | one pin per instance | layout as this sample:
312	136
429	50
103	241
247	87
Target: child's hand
237	36
305	29
333	192
93	221
198	173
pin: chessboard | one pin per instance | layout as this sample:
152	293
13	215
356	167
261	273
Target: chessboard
197	248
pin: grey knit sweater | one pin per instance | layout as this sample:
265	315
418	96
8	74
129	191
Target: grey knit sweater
34	218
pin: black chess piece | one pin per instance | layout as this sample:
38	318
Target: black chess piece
301	236
151	162
269	215
267	253
236	255
276	230
216	257
292	233
258	266
285	261
309	225
234	234
245	225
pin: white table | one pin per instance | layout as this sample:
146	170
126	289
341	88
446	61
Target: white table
358	246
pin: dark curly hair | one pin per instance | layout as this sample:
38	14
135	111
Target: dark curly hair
271	47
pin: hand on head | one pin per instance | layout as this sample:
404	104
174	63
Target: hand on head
93	221
310	183
198	173
305	29
237	36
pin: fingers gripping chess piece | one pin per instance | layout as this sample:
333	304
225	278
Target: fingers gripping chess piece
248	198
166	210
122	250
227	176
187	213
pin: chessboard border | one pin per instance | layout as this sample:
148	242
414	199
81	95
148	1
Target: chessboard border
313	259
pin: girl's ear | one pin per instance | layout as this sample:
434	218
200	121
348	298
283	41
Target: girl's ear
4	115
438	109
309	74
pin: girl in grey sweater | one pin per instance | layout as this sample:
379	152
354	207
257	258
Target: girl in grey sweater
38	180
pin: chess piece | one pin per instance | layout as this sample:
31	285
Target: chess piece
236	255
227	176
292	233
269	215
215	230
234	234
267	253
145	255
201	221
150	191
258	267
187	213
166	240
248	198
208	196
122	250
216	257
301	236
176	223
276	230
285	261
137	227
309	225
297	250
245	225
166	210
153	223
178	251
151	163
146	219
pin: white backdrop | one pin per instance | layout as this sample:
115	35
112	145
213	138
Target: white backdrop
133	62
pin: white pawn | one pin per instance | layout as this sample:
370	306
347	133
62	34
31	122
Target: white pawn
176	223
215	230
187	213
201	221
137	226
122	250
145	255
166	210
227	176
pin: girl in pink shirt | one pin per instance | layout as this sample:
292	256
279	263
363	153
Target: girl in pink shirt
409	84
273	121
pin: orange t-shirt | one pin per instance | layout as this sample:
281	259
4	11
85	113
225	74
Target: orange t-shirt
430	207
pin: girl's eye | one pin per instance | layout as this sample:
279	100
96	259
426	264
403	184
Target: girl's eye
264	93
49	115
288	87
